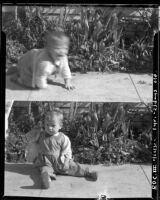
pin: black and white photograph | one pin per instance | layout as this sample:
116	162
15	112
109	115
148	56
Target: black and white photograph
80	100
79	149
89	53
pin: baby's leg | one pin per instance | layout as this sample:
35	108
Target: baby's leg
12	70
46	170
75	169
41	82
18	80
14	77
47	173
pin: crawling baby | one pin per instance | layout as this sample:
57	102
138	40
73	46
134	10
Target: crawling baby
35	66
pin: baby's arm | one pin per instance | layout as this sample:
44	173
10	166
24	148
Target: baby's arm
66	152
66	73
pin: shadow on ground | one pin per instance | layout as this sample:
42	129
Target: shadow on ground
29	170
32	172
51	82
13	85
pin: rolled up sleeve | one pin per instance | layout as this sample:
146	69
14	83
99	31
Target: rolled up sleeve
66	148
65	70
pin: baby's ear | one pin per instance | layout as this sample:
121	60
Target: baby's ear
61	123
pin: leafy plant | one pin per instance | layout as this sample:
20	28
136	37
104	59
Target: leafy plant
14	50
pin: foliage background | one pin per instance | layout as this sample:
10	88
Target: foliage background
102	39
108	133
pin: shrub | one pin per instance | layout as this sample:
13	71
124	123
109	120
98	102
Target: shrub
14	50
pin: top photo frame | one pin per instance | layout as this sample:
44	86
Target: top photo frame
79	53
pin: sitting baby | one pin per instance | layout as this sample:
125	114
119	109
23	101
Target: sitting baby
35	66
50	151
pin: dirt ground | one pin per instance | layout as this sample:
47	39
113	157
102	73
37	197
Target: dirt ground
92	86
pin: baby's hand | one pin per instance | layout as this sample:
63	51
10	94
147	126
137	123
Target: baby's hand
62	158
65	162
68	85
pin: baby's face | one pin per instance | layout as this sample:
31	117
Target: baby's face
58	52
52	124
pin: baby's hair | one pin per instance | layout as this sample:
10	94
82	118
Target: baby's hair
56	112
57	38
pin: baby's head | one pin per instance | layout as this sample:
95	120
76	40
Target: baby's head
53	121
57	44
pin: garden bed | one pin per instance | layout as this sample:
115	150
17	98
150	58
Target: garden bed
108	133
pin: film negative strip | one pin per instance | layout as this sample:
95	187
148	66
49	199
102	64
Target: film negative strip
155	127
90	113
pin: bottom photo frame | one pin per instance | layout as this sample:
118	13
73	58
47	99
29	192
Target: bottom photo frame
78	150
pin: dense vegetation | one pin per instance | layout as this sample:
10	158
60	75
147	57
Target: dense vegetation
101	40
109	133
